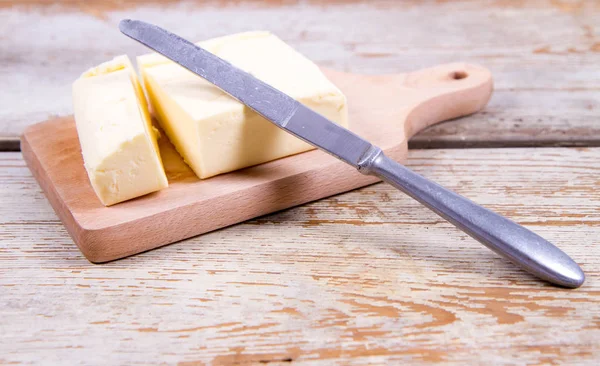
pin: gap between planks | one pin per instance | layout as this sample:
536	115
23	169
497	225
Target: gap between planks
426	141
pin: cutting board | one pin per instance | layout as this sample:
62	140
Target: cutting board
384	109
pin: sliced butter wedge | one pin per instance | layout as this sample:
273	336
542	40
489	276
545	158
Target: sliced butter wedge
118	142
217	134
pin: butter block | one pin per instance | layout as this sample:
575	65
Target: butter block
118	141
215	133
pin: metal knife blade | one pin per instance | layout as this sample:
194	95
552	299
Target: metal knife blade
507	238
267	101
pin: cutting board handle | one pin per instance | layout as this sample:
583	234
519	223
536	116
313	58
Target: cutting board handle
401	105
384	109
446	92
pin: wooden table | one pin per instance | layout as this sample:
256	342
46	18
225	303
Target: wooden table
367	277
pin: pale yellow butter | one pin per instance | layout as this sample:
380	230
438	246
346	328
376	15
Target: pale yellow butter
118	142
215	133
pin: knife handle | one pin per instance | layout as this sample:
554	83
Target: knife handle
521	246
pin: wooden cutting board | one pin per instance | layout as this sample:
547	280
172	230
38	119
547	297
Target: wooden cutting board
385	109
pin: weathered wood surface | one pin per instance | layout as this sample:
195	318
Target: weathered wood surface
367	277
544	55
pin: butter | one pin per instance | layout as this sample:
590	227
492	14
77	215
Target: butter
118	142
215	133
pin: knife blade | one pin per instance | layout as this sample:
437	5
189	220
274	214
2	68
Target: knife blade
272	104
507	238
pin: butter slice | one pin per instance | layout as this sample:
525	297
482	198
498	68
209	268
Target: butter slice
118	142
215	133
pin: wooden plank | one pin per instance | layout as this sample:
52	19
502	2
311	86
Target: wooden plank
367	277
543	54
521	119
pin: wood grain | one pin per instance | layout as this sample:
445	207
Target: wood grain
384	109
367	277
544	54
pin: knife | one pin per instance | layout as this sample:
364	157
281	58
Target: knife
512	241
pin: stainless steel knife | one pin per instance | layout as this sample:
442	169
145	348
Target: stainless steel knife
518	244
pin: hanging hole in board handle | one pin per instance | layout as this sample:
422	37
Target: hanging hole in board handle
458	75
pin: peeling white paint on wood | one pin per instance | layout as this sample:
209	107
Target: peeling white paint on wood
367	277
543	54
